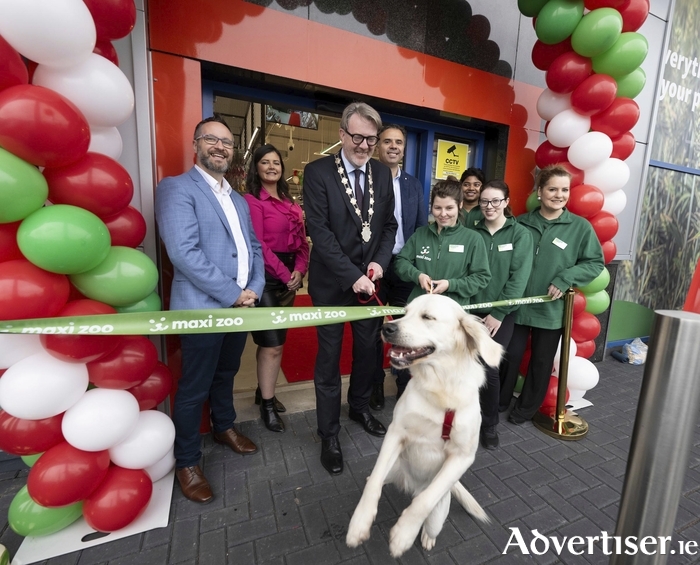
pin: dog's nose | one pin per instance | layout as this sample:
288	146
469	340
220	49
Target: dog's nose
389	329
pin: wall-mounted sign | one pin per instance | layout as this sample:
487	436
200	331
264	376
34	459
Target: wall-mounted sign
452	159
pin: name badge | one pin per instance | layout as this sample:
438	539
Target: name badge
456	248
559	243
506	247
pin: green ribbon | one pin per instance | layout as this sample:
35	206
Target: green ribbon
218	320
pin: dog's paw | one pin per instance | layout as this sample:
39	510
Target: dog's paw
358	530
401	539
427	542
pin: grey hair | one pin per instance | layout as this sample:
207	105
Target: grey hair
363	110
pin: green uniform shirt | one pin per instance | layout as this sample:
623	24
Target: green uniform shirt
471	218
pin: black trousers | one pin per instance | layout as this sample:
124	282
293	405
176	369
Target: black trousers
490	393
544	348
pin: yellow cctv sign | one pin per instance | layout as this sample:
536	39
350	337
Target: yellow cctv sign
452	159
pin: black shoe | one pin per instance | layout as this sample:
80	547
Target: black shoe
516	419
503	407
278	405
376	399
489	437
371	425
270	417
331	456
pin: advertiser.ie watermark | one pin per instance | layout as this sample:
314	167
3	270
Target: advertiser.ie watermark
539	544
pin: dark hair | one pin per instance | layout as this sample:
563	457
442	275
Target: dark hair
473	172
392	126
447	189
548	172
503	187
252	180
215	118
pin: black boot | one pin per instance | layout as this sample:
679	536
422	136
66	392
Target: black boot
270	417
278	405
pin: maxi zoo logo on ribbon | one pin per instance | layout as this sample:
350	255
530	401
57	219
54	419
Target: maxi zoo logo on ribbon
219	320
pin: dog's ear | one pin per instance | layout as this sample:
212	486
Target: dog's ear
479	341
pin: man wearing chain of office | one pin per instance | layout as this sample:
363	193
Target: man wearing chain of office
349	205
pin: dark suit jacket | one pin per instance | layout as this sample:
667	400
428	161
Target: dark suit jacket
413	214
338	255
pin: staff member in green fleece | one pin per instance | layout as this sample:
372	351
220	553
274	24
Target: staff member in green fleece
567	253
471	180
509	248
445	255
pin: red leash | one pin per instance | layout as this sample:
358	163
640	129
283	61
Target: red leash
372	296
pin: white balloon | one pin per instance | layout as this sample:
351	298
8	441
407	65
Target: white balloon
575	394
41	386
107	141
161	468
609	176
566	127
148	442
100	419
590	150
549	104
96	86
15	347
583	375
557	356
615	202
59	33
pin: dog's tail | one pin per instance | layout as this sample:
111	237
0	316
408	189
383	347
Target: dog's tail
469	503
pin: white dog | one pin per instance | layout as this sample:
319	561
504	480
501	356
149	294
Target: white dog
434	434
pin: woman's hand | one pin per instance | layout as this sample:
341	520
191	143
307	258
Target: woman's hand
554	292
492	324
425	282
296	280
441	286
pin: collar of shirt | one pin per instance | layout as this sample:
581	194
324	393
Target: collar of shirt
222	187
349	167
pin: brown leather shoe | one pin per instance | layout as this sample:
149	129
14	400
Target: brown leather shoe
236	441
194	484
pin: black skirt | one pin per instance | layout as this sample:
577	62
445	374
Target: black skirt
275	295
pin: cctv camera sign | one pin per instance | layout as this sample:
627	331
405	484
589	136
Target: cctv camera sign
452	159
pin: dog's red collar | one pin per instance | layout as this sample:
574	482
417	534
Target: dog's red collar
447	424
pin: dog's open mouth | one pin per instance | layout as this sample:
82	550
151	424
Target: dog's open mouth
402	357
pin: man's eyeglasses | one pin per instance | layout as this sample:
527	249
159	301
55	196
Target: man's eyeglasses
357	139
495	202
212	140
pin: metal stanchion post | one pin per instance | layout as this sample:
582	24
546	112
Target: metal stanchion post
663	434
560	422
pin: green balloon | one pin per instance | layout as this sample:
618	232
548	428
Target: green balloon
629	86
531	8
532	202
598	302
599	283
23	188
627	53
64	239
28	518
519	383
29	460
124	277
557	20
597	32
151	303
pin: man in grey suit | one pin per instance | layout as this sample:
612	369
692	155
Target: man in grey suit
217	260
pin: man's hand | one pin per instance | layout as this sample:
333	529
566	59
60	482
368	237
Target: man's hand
363	285
246	299
295	282
377	271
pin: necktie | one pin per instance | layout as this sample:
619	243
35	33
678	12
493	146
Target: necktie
359	193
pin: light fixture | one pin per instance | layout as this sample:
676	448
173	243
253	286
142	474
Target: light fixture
252	138
327	149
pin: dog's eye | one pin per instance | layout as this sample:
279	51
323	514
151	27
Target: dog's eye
427	317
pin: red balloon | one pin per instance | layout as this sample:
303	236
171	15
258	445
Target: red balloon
623	146
547	154
585	200
127	366
13	71
605	225
594	94
584	327
66	475
543	54
609	251
41	126
26	291
634	14
27	437
96	182
114	19
127	228
585	349
107	50
9	249
568	71
579	302
576	174
81	348
595	4
618	118
525	362
155	389
121	498
550	400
